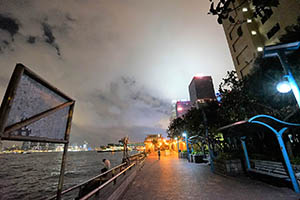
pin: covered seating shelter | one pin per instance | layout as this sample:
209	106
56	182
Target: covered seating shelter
242	129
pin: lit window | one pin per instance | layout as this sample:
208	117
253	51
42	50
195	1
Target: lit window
253	32
249	20
179	109
245	9
260	49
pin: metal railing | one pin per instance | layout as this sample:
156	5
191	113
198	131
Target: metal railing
122	168
94	192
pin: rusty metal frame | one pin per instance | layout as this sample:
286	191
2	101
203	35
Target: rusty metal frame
6	107
7	103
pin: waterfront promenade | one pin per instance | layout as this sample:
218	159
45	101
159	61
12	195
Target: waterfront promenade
171	178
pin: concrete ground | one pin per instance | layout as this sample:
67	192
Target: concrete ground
173	178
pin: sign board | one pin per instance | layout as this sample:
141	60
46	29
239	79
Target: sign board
33	110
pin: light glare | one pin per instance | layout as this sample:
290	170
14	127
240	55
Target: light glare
283	87
260	49
253	32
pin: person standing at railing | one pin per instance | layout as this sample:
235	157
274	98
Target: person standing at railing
106	165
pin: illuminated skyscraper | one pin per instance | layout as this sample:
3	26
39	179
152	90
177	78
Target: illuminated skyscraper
201	89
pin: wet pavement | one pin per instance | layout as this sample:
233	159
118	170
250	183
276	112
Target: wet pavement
173	178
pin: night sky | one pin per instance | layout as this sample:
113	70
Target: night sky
123	61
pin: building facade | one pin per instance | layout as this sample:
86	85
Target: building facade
201	89
247	37
182	107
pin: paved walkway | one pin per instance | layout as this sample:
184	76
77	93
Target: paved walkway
171	179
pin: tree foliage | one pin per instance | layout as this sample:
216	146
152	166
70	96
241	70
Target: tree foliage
223	8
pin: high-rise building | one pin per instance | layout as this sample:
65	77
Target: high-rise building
247	37
201	89
182	107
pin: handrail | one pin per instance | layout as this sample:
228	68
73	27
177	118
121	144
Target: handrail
95	177
106	183
87	181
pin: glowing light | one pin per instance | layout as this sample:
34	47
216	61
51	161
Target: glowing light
253	32
283	87
179	109
249	21
176	138
245	9
183	134
260	49
198	75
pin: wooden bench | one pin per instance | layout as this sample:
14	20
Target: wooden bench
270	168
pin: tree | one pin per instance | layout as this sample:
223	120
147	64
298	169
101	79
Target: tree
176	127
292	33
223	8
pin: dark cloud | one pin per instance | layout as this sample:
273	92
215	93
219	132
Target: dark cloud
136	93
70	18
4	45
9	24
31	39
145	96
49	37
5	42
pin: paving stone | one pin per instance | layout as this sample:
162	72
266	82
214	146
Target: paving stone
173	178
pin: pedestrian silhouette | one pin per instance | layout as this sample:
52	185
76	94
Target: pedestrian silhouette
158	152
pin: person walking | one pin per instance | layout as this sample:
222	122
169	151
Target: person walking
158	152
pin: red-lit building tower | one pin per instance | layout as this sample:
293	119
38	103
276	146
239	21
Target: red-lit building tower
201	90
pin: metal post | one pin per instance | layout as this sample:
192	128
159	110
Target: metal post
289	75
178	146
187	148
62	172
212	168
245	151
64	157
287	161
192	149
283	150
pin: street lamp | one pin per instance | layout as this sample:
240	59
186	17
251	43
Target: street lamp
280	51
283	87
187	145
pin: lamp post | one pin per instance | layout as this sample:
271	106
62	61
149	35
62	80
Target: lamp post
177	141
211	154
187	145
280	51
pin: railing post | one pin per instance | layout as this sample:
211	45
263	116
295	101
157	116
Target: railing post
245	151
287	161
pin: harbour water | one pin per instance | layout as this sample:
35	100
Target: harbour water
35	175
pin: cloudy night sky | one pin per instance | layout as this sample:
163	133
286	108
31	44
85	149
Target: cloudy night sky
123	61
